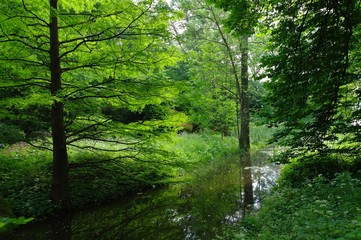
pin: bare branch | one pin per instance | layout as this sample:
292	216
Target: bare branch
97	96
114	141
94	163
25	85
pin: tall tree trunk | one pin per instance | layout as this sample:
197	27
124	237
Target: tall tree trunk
244	139
60	178
243	110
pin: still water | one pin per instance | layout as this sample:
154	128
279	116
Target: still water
192	210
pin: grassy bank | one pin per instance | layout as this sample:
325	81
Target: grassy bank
26	172
324	205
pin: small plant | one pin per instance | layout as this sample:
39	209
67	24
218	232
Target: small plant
8	224
321	209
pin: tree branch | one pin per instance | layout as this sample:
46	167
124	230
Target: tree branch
87	39
32	13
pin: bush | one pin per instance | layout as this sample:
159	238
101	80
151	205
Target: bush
96	183
10	134
202	147
324	209
301	170
261	135
25	181
8	224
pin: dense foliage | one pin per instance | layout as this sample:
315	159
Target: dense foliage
66	68
102	50
320	209
26	172
313	69
105	91
312	78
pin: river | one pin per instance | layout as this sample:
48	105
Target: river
195	209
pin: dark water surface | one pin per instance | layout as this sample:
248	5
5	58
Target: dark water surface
193	210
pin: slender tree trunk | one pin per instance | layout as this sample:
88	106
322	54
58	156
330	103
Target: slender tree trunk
244	139
60	179
243	110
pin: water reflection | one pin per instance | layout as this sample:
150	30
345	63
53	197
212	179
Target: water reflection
264	175
193	210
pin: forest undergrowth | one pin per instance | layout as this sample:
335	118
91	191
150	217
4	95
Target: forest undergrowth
96	178
312	201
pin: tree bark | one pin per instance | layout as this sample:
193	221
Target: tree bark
60	195
244	138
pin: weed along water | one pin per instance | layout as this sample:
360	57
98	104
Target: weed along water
192	210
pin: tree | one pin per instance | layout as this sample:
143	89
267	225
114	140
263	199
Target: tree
314	84
210	97
243	20
71	60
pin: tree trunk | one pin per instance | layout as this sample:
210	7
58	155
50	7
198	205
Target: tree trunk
244	139
60	195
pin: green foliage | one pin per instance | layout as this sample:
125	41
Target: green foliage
95	177
260	135
202	147
311	72
10	134
209	97
244	14
7	224
149	112
111	55
99	176
321	209
301	170
25	181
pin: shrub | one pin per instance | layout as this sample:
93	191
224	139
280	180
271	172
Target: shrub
25	182
202	147
10	134
261	135
301	170
323	209
8	224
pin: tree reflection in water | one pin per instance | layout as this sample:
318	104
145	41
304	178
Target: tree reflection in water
192	210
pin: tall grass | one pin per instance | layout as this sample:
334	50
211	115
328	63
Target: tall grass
201	147
98	176
260	135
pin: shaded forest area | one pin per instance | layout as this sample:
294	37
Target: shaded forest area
102	99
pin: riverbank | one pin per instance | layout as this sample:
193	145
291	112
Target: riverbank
322	208
195	208
25	179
